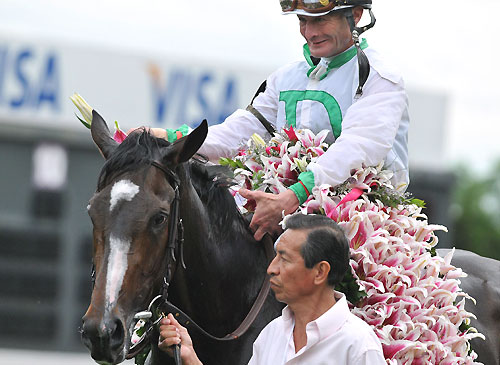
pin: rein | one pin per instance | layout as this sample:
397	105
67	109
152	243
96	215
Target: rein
250	317
176	242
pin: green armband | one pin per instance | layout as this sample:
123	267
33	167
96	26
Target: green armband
303	188
174	134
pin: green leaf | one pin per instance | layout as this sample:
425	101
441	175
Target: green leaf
141	331
83	122
349	286
228	162
240	164
418	202
464	327
233	164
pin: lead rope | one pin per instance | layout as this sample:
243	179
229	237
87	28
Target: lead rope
250	317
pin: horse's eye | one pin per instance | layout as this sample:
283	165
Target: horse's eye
159	219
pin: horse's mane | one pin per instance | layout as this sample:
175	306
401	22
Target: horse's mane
211	183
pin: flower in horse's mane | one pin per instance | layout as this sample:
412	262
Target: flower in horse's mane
413	300
86	111
119	135
84	108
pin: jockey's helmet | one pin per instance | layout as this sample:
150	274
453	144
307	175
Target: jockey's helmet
320	7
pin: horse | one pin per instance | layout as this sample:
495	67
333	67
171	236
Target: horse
483	284
132	211
134	214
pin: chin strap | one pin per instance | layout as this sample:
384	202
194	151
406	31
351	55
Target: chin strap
363	63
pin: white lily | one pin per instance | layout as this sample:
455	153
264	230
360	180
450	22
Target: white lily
84	108
301	163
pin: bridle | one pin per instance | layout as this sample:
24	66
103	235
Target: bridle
175	239
175	243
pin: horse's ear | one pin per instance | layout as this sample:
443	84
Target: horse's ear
184	148
102	136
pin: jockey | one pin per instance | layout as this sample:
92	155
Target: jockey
342	85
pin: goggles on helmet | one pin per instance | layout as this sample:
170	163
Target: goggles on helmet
319	7
311	6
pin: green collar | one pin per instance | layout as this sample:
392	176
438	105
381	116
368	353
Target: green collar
337	61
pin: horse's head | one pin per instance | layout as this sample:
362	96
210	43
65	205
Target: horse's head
130	213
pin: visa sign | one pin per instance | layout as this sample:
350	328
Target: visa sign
189	96
36	82
29	80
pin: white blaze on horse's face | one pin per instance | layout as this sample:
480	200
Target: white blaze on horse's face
122	190
117	266
119	247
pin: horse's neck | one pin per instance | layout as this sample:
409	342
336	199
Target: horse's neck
225	266
215	232
211	227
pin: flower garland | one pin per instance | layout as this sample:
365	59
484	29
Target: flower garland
413	300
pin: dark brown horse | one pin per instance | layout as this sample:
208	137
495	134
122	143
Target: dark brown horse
131	211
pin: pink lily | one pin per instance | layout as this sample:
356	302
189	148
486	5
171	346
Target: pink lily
253	166
320	138
119	135
290	132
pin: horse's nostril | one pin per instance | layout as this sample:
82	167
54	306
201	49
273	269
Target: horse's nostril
89	330
105	339
117	335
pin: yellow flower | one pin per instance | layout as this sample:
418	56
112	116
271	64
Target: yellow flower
84	108
258	140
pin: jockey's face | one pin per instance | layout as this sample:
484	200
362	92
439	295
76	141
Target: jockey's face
327	35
